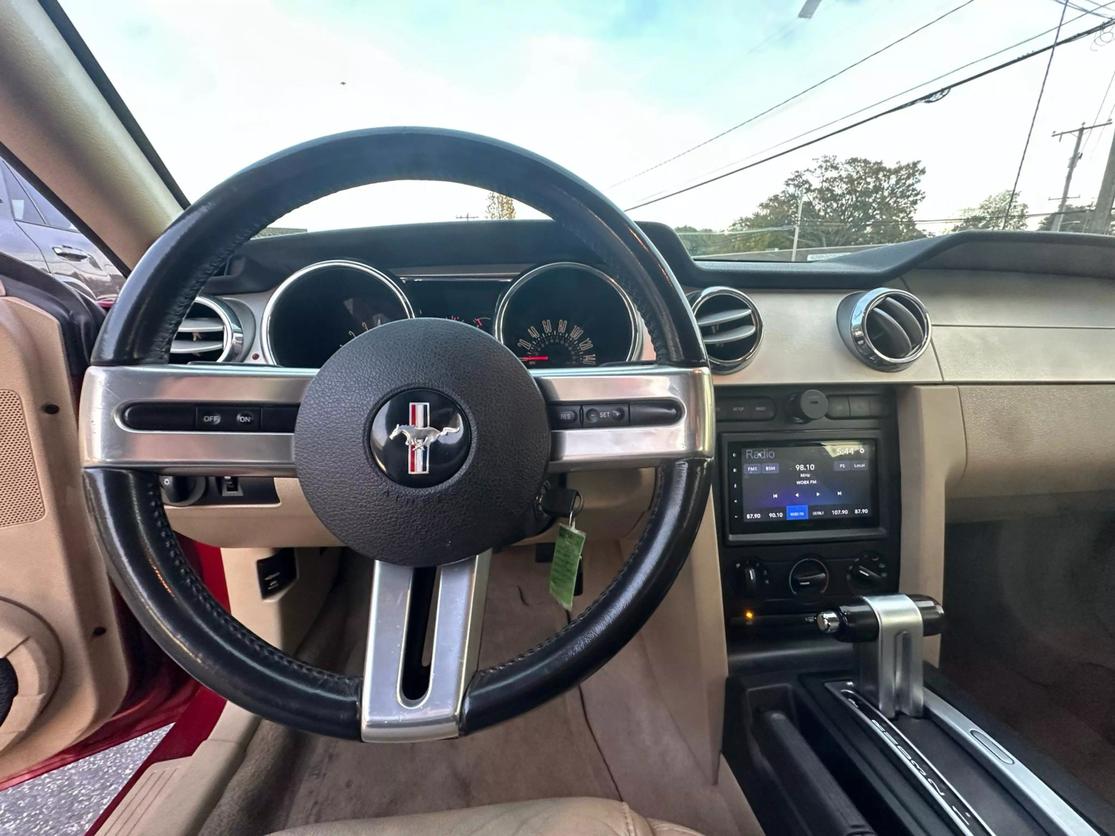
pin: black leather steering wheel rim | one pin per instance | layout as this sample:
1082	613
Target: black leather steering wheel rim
145	560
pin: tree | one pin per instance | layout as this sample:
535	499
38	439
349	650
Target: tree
989	214
843	203
1075	219
500	207
705	241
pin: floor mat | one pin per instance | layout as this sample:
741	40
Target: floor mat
1030	634
1034	710
611	738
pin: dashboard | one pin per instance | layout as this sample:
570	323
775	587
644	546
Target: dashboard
561	314
836	466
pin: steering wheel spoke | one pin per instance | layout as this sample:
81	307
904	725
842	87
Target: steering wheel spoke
407	696
109	440
646	434
170	437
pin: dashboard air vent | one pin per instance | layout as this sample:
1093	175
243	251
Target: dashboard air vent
730	327
210	332
887	329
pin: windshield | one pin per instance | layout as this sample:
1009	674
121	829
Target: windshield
780	129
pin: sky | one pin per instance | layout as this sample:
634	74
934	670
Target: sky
608	88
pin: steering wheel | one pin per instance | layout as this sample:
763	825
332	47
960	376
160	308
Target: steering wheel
483	474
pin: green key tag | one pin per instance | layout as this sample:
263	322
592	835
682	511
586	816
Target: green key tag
567	557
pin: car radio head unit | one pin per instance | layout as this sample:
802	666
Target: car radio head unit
800	485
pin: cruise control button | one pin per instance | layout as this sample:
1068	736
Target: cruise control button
247	420
227	419
605	415
212	418
565	417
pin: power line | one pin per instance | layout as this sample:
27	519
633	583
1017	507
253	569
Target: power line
786	101
1034	118
909	103
1096	118
1077	7
935	96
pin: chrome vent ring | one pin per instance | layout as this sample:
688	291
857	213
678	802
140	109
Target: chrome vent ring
886	328
211	332
730	326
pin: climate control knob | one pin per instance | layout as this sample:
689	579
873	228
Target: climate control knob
752	578
868	574
809	577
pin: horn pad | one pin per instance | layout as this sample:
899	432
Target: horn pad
422	442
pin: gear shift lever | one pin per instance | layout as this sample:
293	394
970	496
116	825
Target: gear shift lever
888	632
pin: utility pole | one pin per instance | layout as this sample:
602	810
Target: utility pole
1100	220
797	227
1073	160
809	8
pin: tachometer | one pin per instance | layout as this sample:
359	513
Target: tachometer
559	343
568	315
321	307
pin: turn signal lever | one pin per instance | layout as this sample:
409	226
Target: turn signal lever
888	632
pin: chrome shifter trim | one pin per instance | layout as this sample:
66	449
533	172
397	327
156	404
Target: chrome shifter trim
959	814
890	668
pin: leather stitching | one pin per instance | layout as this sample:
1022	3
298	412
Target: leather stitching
191	584
189	291
627	820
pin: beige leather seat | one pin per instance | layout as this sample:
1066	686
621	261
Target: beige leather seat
549	817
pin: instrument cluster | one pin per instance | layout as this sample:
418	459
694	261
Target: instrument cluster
557	315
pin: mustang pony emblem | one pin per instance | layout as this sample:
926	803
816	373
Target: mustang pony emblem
420	436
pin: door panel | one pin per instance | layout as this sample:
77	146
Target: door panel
59	614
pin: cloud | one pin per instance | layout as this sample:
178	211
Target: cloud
604	89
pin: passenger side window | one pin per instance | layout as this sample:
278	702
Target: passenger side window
22	207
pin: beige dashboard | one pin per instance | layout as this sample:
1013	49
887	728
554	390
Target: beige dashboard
1023	376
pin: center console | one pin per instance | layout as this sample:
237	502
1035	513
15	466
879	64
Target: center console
807	502
834	722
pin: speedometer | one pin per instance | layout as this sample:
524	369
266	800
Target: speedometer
556	344
568	315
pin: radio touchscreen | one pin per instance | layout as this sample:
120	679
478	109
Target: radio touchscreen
802	485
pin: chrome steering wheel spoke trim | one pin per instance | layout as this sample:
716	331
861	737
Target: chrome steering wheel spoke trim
387	712
107	441
691	436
